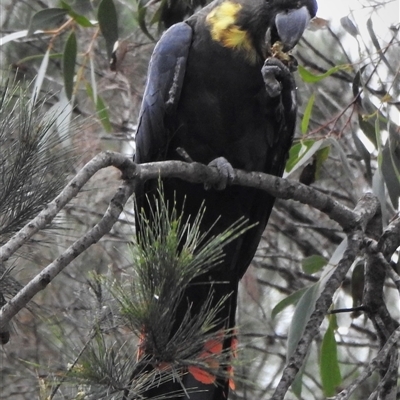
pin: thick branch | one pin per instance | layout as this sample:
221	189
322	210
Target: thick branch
277	187
193	172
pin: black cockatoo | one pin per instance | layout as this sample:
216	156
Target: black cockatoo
220	87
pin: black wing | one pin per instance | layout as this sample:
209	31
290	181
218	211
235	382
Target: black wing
163	88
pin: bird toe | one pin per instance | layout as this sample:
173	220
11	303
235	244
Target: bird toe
226	174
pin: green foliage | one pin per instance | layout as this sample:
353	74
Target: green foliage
313	264
78	18
69	60
34	161
292	299
101	109
309	77
301	151
141	17
390	165
108	22
170	253
307	114
329	364
46	19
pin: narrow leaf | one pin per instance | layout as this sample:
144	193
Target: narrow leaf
349	26
376	44
93	80
13	36
46	19
40	77
309	77
287	301
378	141
141	18
108	22
321	156
78	18
329	365
300	155
313	263
338	253
69	60
102	113
307	114
368	129
390	171
304	309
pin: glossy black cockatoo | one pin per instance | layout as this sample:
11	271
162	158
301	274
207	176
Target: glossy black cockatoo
220	87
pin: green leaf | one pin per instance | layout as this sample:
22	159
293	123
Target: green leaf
300	153
141	18
296	152
78	18
108	22
307	114
357	284
46	19
378	141
302	313
287	301
313	263
309	77
101	108
102	113
368	129
69	60
329	365
390	171
321	156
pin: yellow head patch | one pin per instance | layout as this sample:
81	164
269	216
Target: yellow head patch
223	28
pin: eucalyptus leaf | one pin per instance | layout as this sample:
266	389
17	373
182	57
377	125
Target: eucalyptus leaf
46	19
69	61
329	365
108	22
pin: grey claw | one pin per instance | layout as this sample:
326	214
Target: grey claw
275	75
226	173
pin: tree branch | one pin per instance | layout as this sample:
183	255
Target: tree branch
372	366
365	210
193	172
277	187
52	270
44	218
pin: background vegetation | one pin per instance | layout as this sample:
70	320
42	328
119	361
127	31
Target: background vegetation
63	102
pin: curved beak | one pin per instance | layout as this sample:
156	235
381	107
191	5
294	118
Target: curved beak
290	26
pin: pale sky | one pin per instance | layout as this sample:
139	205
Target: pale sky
333	10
